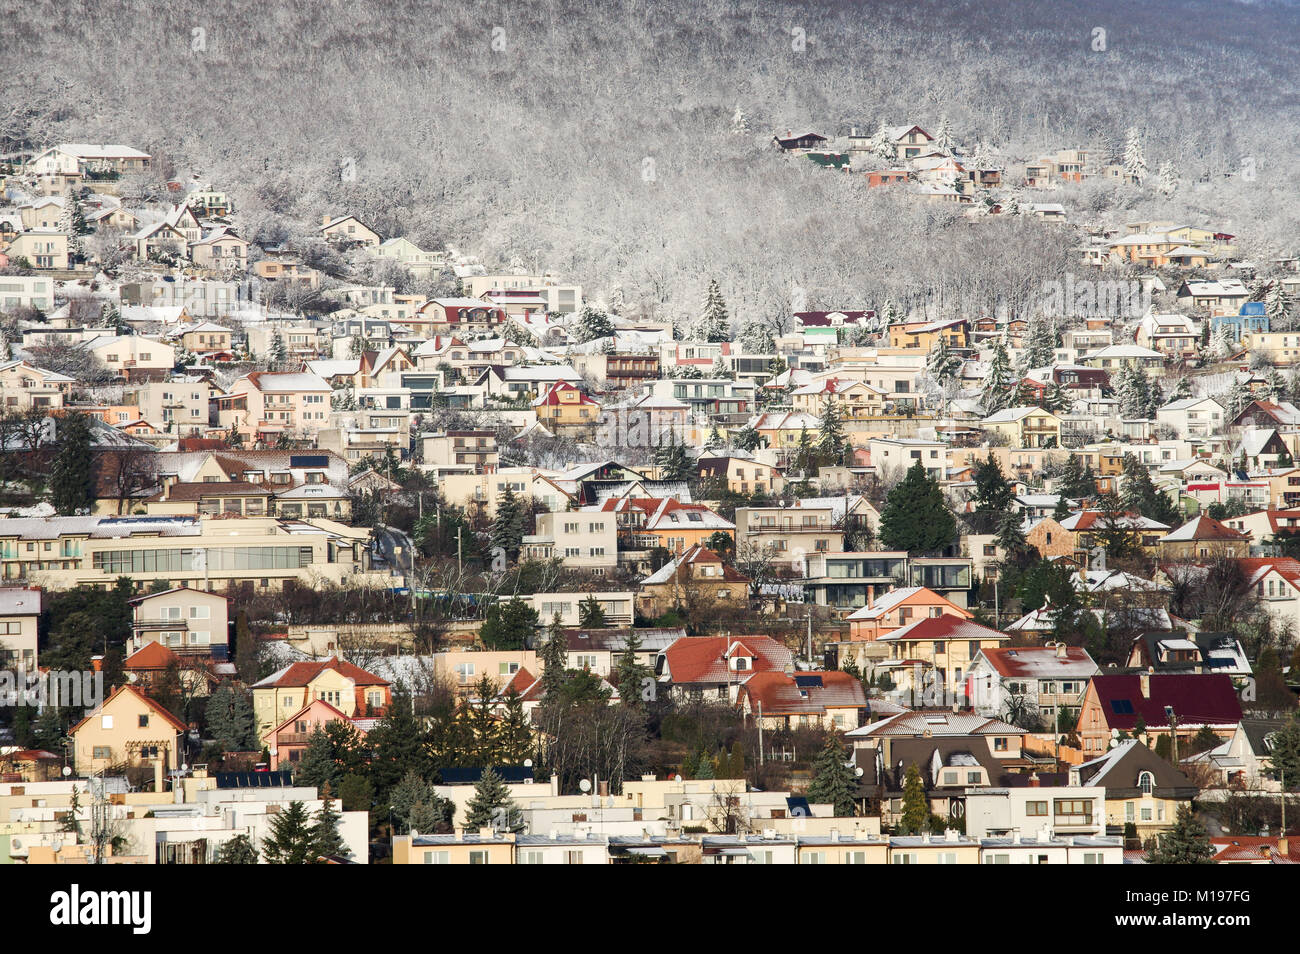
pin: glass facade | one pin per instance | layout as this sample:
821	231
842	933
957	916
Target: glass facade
127	562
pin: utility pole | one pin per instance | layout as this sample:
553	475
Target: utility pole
760	756
460	570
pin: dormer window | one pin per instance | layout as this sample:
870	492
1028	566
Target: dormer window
742	663
1146	782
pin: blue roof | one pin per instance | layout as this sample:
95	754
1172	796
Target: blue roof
1253	308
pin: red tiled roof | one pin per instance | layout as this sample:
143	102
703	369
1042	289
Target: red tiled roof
151	656
1197	699
780	694
302	673
703	658
1256	848
945	627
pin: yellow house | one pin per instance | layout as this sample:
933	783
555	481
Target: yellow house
565	408
926	335
855	399
950	848
205	338
348	229
483	848
742	475
346	687
1025	426
128	728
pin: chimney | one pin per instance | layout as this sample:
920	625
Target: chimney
1034	781
1145	680
1061	650
460	834
835	835
871	595
325	219
157	775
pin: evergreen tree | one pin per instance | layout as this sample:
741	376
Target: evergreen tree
316	766
632	673
554	656
398	744
1168	176
998	380
72	474
432	816
916	809
291	840
279	354
915	516
1135	162
325	832
943	140
507	535
508	625
237	851
704	767
591	615
715	438
1275	305
832	444
514	733
247	662
833	781
942	364
1186	843
1141	496
592	324
993	495
230	718
1286	752
748	438
715	324
673	461
412	790
1062	510
1040	346
805	457
491	805
1011	536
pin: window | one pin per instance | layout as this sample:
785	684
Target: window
1094	858
106	722
439	857
950	778
999	744
855	857
904	858
813	858
478	857
1036	809
144	721
1146	781
947	858
530	857
102	752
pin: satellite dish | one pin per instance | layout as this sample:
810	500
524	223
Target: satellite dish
528	763
677	778
1114	733
585	785
185	766
67	770
858	771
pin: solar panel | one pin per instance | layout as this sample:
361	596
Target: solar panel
804	682
1121	706
308	460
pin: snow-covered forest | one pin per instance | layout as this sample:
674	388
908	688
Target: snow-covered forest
628	143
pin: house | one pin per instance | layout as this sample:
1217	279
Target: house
1245	759
899	608
1087	528
854	400
134	357
186	621
1223	297
348	688
1172	652
565	411
647	523
832	700
800	143
264	405
1201	537
24	387
586	540
789	533
1042	679
1126	356
348	230
73	160
287	741
715	667
1025	426
895	455
1142	789
1192	417
741	475
206	338
1256	850
1038	812
20	612
600	650
483	847
933	653
456	316
220	250
1174	335
127	728
1157	705
908	142
697	579
42	248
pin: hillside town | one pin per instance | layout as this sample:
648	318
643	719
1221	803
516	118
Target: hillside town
333	547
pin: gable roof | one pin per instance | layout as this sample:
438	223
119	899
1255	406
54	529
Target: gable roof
300	674
152	655
153	707
696	659
1196	699
1203	527
1039	662
804	693
894	598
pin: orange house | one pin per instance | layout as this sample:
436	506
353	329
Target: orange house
647	522
288	740
899	608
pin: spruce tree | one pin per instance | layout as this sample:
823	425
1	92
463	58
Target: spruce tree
998	380
1135	163
1186	843
328	842
72	474
554	656
1011	536
942	364
491	805
715	324
514	733
508	625
915	516
591	615
916	809
316	766
291	840
993	495
632	673
412	790
230	718
1062	510
592	324
833	781
831	445
1286	751
507	533
237	851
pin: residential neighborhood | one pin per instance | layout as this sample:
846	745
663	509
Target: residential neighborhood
331	537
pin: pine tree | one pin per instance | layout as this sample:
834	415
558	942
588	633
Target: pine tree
327	841
997	382
915	516
491	805
882	143
748	438
714	324
237	851
1186	843
72	474
804	456
943	140
942	364
1286	752
633	675
993	494
591	615
1040	350
833	781
715	438
554	657
592	324
1062	510
916	809
673	461
317	766
279	355
507	534
1135	162
514	733
1168	178
1011	536
291	840
1275	305
230	718
831	445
